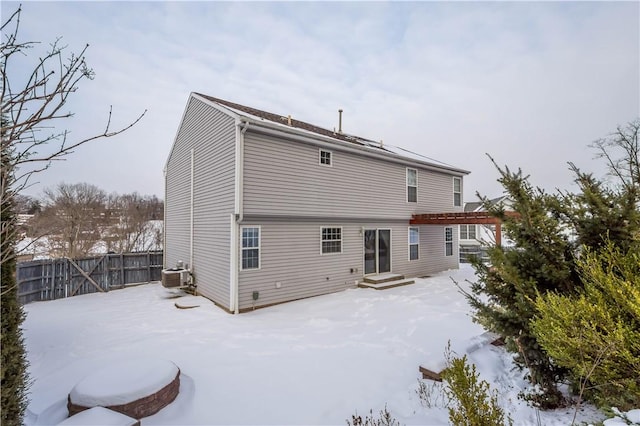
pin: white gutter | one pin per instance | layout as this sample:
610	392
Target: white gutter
237	216
191	211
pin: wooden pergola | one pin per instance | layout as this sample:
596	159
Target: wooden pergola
461	218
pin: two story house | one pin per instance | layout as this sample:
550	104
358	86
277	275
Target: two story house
263	208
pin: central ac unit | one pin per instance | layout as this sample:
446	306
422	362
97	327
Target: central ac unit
175	278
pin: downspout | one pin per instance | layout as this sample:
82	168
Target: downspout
237	217
164	221
241	189
191	211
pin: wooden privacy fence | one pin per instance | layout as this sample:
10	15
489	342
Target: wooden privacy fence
51	279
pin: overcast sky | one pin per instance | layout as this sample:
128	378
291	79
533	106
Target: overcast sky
532	84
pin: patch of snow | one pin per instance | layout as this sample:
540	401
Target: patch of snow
634	416
313	361
99	416
631	417
123	382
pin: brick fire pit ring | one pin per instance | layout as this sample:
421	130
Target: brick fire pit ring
136	388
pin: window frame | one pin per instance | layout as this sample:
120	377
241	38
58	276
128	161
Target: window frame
467	236
458	193
320	158
340	240
417	244
448	242
411	186
259	247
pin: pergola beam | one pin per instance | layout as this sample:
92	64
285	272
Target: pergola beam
462	218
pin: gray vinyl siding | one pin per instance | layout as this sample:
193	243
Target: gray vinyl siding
284	178
290	254
212	136
431	253
177	195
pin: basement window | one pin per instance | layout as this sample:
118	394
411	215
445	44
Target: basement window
325	157
331	240
250	247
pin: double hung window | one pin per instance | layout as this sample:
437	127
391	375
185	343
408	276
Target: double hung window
250	247
412	186
448	241
467	232
331	240
457	191
414	243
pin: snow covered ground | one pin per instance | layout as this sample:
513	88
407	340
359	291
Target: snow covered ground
314	361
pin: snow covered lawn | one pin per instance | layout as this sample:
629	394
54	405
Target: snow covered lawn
314	361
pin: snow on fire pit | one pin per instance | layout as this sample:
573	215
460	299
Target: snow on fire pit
136	388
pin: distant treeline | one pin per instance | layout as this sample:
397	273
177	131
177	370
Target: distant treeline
75	220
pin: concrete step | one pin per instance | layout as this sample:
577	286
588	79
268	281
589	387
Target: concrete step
386	284
382	278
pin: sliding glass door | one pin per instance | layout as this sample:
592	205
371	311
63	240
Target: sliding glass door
377	251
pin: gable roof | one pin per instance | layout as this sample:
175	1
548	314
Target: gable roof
282	119
303	127
475	205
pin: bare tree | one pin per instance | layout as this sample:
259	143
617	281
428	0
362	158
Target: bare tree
621	151
29	112
73	219
136	225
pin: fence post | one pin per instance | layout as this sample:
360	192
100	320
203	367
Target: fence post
122	269
148	266
67	277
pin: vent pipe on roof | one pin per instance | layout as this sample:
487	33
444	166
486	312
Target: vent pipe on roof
289	119
340	121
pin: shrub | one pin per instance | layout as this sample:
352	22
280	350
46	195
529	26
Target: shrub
471	401
596	334
385	419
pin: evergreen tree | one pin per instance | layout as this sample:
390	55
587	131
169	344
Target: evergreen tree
599	214
13	362
549	233
504	295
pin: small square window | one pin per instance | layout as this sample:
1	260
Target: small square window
325	157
